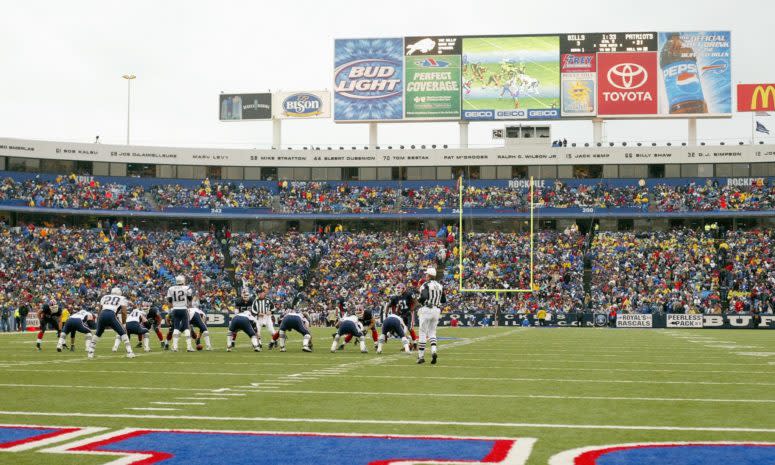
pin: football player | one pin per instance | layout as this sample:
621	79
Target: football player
393	325
112	305
198	319
294	319
243	321
179	297
50	316
349	326
78	322
135	324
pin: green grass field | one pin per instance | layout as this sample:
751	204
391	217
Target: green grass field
566	387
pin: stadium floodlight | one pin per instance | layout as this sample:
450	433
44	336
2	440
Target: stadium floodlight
461	253
624	144
377	147
422	146
761	142
433	146
412	146
329	148
683	144
611	144
353	148
586	144
129	78
741	142
573	144
639	144
669	144
402	147
702	143
722	143
390	147
341	148
445	145
653	144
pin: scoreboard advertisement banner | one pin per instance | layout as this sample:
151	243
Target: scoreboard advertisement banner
511	78
368	79
302	105
579	84
756	97
432	78
696	74
627	84
241	107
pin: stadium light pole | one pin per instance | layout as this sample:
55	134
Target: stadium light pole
129	78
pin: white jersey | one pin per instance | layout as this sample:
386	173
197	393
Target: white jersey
248	315
194	311
113	302
355	320
179	296
135	315
81	315
432	294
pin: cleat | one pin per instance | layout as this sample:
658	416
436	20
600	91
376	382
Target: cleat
114	350
72	348
147	350
420	361
282	349
209	349
65	346
260	346
139	345
433	359
257	349
90	355
131	355
173	350
272	345
341	347
228	349
59	349
190	350
333	351
375	346
364	351
379	351
307	349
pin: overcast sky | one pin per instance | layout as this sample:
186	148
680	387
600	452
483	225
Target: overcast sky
61	62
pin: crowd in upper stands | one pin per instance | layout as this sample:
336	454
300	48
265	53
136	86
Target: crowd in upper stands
341	197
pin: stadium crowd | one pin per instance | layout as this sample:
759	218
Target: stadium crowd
341	197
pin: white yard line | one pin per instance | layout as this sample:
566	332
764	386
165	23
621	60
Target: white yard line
396	421
527	396
179	403
161	409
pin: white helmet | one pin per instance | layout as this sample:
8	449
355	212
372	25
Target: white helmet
116	291
180	280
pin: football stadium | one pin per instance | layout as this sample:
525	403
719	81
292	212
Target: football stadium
504	245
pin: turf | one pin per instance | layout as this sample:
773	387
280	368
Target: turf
544	383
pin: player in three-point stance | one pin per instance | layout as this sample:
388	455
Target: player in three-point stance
349	326
112	305
135	324
50	316
153	322
392	325
294	319
179	297
198	319
431	296
246	322
262	308
78	322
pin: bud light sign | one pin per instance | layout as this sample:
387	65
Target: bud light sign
302	105
368	79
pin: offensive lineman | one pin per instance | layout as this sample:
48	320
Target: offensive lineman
112	305
76	323
431	296
294	319
392	324
244	321
262	308
135	324
179	297
349	326
198	319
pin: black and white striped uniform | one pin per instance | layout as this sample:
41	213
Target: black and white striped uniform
431	297
263	308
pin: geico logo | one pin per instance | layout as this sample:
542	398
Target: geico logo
478	114
628	96
680	68
511	113
549	113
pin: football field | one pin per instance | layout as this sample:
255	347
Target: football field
551	389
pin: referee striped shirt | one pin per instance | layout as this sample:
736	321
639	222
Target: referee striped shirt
263	306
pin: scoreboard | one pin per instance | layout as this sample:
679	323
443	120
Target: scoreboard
608	42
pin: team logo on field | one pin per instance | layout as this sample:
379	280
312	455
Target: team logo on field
15	438
706	453
184	447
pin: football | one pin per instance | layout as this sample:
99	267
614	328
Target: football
199	347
